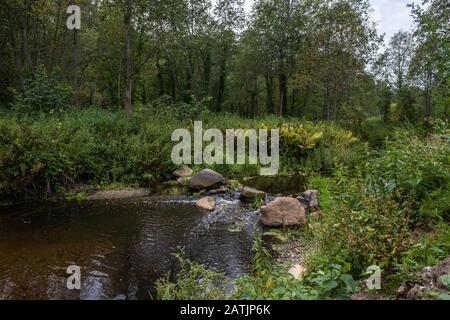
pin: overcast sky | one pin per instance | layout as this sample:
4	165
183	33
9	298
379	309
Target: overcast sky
391	15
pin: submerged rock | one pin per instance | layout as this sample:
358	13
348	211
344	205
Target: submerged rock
248	193
183	172
283	212
207	203
206	179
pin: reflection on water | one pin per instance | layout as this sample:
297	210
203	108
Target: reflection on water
122	247
290	185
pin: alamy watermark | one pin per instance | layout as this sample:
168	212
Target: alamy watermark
74	280
74	20
229	149
374	280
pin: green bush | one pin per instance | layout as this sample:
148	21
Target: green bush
193	282
53	153
332	280
371	212
43	93
430	249
410	169
375	131
269	281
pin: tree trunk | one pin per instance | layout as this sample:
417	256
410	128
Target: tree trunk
221	85
428	96
283	92
293	97
18	63
160	77
305	100
326	108
282	83
206	72
75	67
269	87
128	59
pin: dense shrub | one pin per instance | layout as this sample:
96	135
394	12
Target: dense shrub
411	169
375	131
430	249
47	155
165	105
193	282
359	228
370	214
43	93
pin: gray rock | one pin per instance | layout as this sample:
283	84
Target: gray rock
283	212
429	280
248	193
207	179
309	199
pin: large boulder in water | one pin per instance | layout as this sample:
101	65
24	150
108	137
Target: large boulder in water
283	212
207	179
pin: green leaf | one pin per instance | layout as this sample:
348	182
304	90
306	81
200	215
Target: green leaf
352	286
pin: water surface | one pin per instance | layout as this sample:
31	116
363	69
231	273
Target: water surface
123	247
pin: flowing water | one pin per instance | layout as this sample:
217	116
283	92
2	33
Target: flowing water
122	247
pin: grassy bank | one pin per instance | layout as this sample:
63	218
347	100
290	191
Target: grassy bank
48	154
391	211
386	200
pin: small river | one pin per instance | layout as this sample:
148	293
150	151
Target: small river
122	246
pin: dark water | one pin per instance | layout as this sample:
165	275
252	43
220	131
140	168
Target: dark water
278	185
122	247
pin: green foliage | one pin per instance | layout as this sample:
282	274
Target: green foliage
44	156
369	213
333	280
411	170
257	202
39	157
375	131
43	93
306	147
445	280
193	282
368	231
428	250
269	281
166	106
436	295
325	187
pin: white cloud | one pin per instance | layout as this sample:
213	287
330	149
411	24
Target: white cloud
391	16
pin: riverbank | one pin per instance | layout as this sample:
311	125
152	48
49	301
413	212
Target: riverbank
49	155
388	218
386	207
